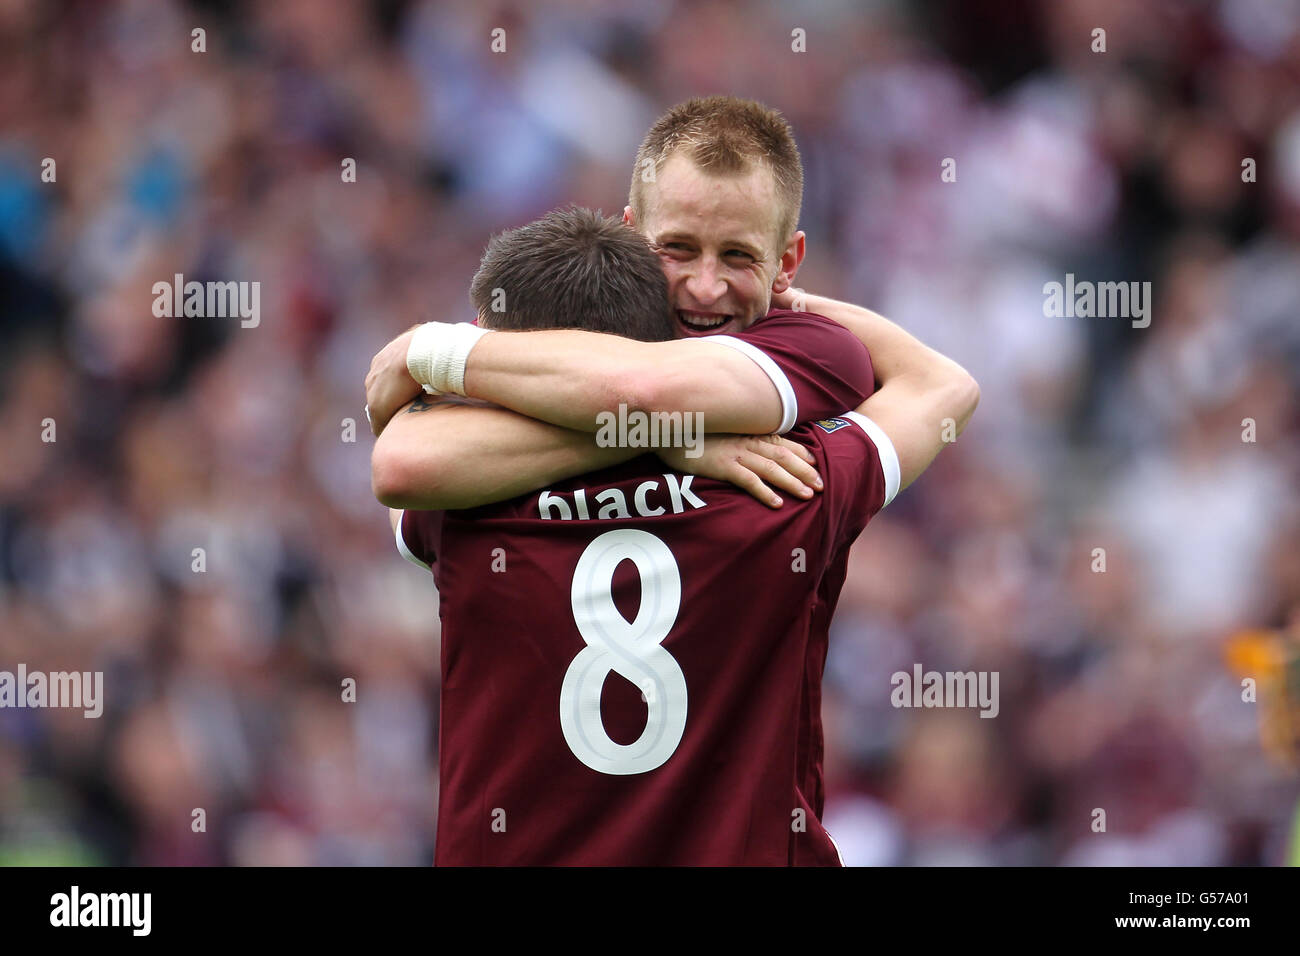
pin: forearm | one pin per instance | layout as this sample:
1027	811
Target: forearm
923	399
894	352
570	378
445	457
921	419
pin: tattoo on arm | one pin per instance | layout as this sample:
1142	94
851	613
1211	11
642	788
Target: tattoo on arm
422	404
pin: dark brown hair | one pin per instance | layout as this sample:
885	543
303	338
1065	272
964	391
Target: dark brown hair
573	269
725	135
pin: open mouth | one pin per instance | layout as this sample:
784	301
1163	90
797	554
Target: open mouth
702	323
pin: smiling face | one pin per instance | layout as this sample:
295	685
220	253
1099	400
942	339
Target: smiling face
717	237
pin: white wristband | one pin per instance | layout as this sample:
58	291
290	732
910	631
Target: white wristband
438	352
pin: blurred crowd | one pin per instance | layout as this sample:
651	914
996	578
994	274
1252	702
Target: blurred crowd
1097	443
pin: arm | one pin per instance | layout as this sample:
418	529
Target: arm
441	456
919	387
569	377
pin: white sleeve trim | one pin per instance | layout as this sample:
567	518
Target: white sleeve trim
401	544
789	404
888	454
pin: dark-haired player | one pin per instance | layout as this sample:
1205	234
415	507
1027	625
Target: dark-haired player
632	658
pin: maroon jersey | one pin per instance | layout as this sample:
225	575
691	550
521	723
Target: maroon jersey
632	659
632	662
818	367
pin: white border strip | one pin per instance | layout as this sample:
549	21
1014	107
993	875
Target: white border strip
888	454
789	404
401	544
836	845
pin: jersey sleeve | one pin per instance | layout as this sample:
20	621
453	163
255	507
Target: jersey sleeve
819	367
418	534
862	473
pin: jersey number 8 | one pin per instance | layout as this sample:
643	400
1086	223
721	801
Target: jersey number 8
632	649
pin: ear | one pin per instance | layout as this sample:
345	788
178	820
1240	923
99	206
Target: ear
629	217
789	264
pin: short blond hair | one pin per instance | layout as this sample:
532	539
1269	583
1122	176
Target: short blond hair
725	135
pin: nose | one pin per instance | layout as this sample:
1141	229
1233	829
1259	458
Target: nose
705	283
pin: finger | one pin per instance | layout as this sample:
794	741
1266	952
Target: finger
799	468
775	475
786	459
380	414
798	449
746	480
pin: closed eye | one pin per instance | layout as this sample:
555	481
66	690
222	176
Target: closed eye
675	248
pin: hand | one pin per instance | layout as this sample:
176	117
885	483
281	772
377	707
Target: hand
796	300
389	385
747	461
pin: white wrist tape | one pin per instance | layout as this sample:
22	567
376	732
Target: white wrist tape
438	352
